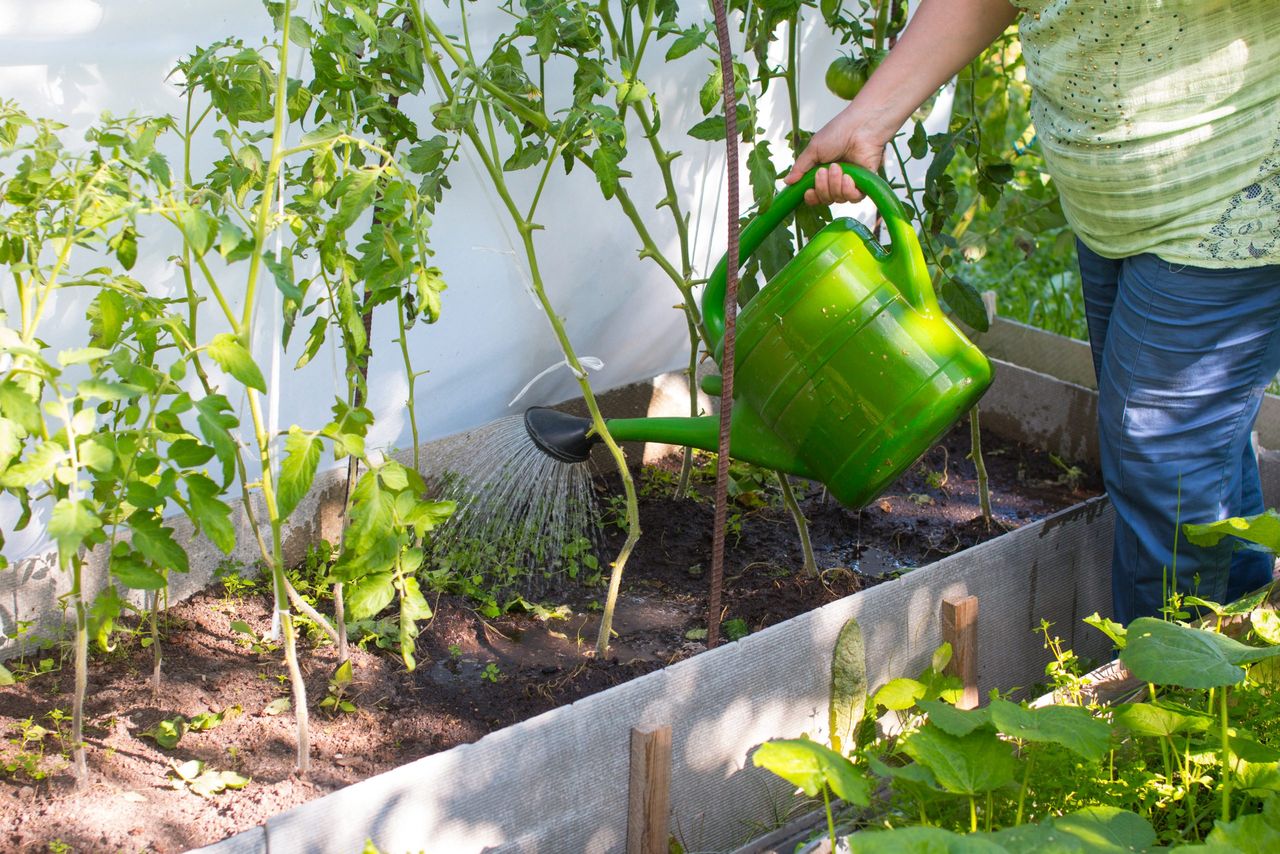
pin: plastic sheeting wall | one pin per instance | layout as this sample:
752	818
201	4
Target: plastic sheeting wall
73	59
558	782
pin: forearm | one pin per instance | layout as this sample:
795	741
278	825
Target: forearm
942	37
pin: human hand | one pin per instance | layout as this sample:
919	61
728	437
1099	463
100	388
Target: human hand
844	139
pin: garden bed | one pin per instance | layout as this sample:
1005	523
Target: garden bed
475	675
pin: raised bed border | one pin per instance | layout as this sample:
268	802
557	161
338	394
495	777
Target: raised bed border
559	781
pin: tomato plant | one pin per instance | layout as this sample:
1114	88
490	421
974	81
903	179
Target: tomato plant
95	435
338	203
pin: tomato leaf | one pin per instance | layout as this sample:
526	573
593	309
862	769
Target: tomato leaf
235	359
156	542
71	524
298	469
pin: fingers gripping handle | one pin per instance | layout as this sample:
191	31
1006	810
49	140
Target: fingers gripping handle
905	265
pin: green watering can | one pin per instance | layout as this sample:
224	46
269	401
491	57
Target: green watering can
846	369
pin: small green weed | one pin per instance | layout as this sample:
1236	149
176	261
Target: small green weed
28	760
382	632
236	585
1071	476
249	639
656	482
339	683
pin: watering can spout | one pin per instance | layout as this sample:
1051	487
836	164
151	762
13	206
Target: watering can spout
569	438
561	436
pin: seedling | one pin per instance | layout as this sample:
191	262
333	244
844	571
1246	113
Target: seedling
249	639
336	701
1071	476
168	732
491	673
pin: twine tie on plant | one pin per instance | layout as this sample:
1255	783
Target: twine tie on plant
586	361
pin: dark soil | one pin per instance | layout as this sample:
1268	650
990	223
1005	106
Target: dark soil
474	675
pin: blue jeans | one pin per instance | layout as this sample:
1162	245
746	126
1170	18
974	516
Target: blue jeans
1182	355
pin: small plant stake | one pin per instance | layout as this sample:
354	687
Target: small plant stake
960	629
650	790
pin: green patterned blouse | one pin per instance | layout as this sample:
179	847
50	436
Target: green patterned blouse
1160	123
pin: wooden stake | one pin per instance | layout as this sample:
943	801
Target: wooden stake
960	629
650	796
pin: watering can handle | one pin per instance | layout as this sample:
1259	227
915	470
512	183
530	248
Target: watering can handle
905	262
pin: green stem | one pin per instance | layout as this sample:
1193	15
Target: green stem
831	824
158	658
810	568
411	379
299	689
81	672
980	467
261	228
1226	758
686	462
1022	794
973	814
428	32
273	169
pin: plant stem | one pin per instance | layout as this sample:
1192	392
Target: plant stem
428	32
261	228
299	689
686	459
980	467
1022	794
831	825
158	657
81	671
1226	758
973	814
810	568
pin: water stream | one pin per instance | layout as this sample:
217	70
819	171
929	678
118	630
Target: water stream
523	518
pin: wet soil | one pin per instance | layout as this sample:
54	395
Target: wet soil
474	675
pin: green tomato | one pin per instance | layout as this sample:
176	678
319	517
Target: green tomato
846	76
